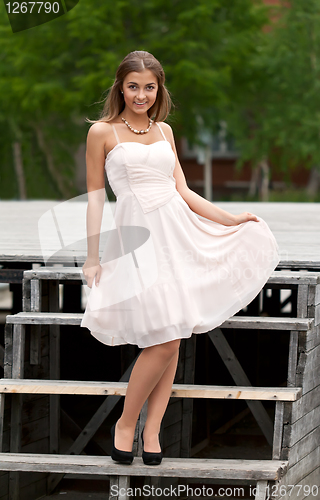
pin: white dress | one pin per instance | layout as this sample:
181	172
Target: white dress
166	271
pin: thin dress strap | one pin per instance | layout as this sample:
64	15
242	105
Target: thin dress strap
161	131
115	133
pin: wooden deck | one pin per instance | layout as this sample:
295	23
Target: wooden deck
296	227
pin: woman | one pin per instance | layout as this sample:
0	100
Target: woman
184	264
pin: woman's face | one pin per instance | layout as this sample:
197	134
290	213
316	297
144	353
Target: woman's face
140	90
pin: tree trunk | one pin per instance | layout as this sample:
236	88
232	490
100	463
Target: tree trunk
314	181
18	166
57	177
208	174
259	181
264	180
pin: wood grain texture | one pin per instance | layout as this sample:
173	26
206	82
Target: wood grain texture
28	386
247	322
294	225
182	467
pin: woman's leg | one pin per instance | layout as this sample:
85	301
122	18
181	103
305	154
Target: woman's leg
146	373
157	404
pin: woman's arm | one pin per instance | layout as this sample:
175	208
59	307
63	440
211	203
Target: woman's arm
95	159
197	203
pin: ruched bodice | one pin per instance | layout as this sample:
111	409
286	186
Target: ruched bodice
143	169
167	272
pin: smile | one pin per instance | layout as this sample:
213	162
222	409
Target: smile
140	103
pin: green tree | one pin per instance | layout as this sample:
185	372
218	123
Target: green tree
276	119
54	75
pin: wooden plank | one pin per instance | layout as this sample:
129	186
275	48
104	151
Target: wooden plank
293	358
8	340
308	370
305	446
261	490
45	318
294	432
18	351
310	339
268	323
26	295
302	301
304	488
35	295
2	403
36	386
119	487
317	315
54	273
278	431
314	295
282	277
295	226
247	322
285	277
1	356
177	467
303	467
239	376
308	402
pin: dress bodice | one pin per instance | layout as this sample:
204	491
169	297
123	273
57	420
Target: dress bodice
146	170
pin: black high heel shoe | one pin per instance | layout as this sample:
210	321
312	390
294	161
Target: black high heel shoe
149	457
124	457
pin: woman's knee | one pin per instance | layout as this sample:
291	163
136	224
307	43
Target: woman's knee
170	348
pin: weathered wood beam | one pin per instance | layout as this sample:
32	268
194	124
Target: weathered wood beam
37	386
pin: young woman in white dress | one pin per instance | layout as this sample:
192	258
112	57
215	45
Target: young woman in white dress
137	95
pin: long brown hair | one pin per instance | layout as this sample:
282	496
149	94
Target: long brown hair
137	60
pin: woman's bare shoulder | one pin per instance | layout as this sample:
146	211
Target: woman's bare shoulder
166	126
99	129
166	129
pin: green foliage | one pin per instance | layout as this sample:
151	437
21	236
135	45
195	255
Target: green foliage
219	63
278	115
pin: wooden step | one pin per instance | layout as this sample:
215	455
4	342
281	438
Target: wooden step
302	277
54	273
250	322
169	467
285	277
31	386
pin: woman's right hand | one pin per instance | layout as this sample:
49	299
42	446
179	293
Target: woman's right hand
92	270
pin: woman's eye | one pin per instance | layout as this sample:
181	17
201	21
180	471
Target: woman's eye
132	86
151	87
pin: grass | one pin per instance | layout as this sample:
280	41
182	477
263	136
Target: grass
298	195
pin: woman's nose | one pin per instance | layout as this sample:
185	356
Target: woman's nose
141	94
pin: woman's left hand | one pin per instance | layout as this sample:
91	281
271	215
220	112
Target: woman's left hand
245	217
